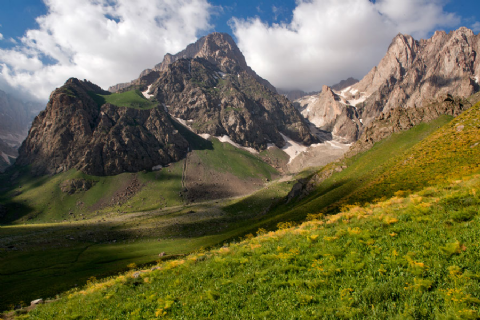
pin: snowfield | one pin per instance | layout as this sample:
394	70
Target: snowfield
145	93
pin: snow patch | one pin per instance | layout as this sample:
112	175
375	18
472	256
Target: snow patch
334	144
270	145
227	139
361	120
292	148
156	168
222	74
357	101
145	93
477	79
205	136
184	123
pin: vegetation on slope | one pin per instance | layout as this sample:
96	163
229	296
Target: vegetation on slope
41	200
410	257
130	99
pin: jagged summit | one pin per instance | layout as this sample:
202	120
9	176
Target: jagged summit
410	73
217	48
207	87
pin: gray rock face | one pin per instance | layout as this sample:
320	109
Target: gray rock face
217	48
400	119
74	132
210	85
410	73
233	104
330	112
344	84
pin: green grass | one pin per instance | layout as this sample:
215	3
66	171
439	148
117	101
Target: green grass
403	258
413	256
361	170
240	163
40	199
130	99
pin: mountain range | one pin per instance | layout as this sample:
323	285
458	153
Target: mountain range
199	150
214	93
409	75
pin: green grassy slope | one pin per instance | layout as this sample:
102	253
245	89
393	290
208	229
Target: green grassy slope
40	199
130	99
412	257
358	171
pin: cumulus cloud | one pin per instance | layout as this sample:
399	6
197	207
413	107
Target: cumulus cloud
1	36
104	41
476	26
331	40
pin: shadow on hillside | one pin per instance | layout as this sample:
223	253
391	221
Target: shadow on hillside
196	142
15	210
208	191
440	81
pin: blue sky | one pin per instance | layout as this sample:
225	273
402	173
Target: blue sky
294	44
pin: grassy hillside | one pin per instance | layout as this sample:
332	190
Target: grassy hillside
51	240
409	257
403	244
130	99
41	200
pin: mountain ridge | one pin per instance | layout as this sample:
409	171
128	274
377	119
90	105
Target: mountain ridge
410	72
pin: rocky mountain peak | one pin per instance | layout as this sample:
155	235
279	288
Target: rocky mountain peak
217	48
410	73
74	131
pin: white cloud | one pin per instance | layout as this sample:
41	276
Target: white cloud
104	41
476	26
1	36
330	40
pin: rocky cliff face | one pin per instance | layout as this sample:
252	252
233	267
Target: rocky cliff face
331	112
411	72
210	87
214	93
401	119
75	132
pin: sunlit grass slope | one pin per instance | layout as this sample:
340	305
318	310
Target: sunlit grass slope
424	155
410	257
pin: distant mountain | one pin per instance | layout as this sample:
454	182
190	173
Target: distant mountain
214	93
293	95
15	118
344	84
410	73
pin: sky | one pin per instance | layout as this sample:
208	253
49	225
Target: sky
294	44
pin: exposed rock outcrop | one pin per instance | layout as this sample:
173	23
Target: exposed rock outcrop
234	104
329	112
401	119
217	48
72	186
410	73
210	87
75	132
